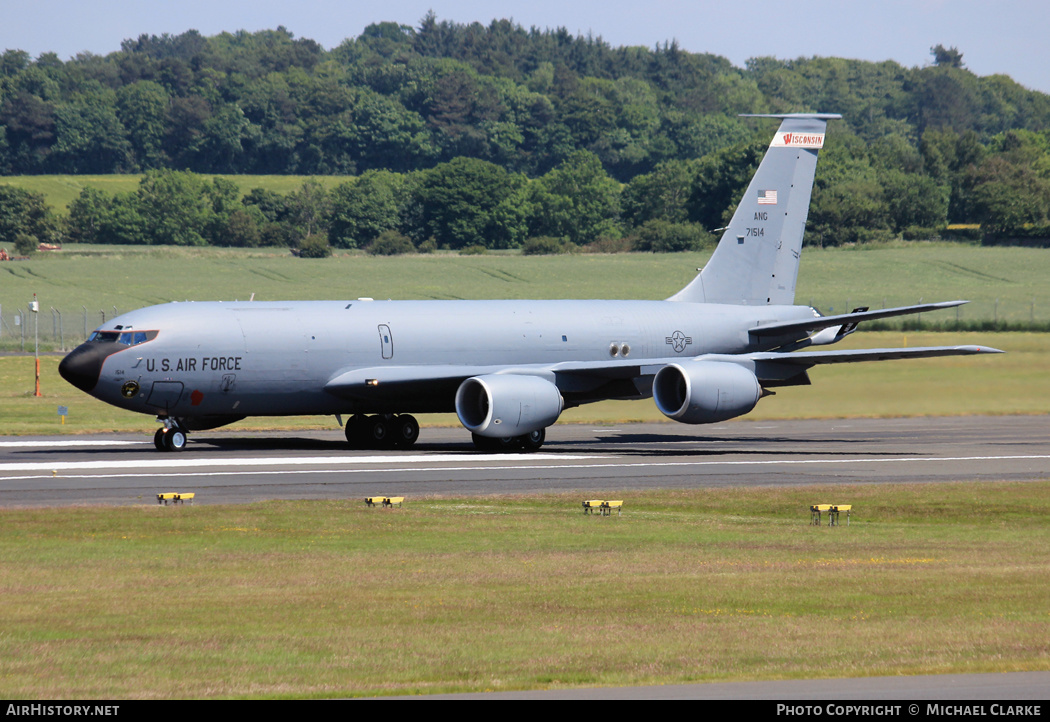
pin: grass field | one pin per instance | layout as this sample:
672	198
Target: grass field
332	599
61	190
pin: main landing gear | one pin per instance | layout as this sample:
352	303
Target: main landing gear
529	442
382	431
170	437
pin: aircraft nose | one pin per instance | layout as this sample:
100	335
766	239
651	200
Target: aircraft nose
82	367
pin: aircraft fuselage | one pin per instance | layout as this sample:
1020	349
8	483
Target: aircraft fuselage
252	359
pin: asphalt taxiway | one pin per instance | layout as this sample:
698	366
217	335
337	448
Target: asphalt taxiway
235	467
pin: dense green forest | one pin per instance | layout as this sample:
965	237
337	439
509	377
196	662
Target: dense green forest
471	136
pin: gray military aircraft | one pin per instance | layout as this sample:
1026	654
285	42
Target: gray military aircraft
507	368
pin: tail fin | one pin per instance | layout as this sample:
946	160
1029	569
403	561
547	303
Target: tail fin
756	261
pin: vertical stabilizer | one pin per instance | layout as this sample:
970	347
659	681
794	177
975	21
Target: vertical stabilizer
756	261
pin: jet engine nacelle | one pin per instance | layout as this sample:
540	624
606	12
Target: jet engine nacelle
705	392
502	405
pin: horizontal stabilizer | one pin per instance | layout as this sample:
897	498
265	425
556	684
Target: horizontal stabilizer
818	322
804	116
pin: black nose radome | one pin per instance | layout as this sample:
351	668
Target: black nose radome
83	366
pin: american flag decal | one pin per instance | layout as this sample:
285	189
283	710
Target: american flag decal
767	198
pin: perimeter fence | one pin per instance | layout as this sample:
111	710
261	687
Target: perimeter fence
53	329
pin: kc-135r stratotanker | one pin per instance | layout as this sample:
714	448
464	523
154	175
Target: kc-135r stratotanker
507	368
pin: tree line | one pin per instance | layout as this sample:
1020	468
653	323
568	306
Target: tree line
464	204
860	194
500	123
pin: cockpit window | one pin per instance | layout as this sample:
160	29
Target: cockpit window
132	337
128	338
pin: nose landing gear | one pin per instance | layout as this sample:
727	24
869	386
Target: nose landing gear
170	437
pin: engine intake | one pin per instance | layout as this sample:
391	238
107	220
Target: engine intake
502	405
705	392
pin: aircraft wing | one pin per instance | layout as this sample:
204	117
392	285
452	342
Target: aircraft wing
357	382
408	380
818	322
789	369
772	368
363	383
809	359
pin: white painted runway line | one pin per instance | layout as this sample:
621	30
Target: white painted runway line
427	463
57	443
197	463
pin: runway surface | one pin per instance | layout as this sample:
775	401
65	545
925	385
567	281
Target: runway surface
238	467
